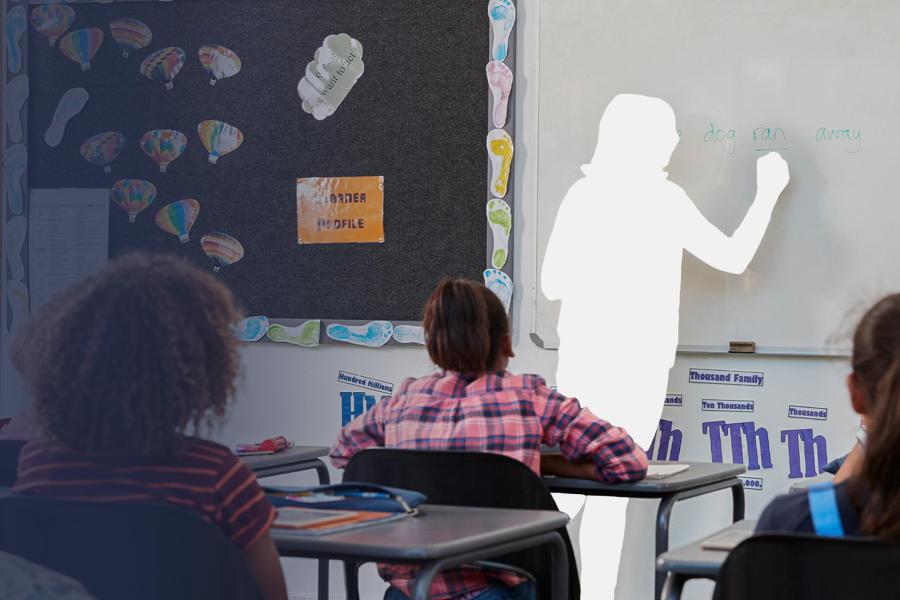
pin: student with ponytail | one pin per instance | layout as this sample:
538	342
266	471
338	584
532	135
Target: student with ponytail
472	403
867	500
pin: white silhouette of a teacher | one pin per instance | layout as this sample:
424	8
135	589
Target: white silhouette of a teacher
614	260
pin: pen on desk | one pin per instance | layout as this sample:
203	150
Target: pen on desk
380	495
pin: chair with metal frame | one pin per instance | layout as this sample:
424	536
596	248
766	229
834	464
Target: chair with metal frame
9	461
809	567
127	550
459	478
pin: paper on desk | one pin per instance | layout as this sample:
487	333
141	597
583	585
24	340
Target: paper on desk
662	471
726	540
68	239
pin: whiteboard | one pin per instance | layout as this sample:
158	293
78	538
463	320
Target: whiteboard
792	74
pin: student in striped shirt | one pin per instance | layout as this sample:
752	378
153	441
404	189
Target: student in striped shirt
121	367
473	403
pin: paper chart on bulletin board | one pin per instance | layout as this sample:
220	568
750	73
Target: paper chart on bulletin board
753	78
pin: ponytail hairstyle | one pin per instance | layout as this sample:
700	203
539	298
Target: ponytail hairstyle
465	324
876	367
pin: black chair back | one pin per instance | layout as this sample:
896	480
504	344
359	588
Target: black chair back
122	550
469	479
806	567
9	461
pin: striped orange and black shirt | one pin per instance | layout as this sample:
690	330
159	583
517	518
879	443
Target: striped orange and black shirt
201	476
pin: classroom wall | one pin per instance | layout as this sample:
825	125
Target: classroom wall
296	392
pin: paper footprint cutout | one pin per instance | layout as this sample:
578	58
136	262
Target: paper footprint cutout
69	105
16	94
17	296
252	329
502	14
16	24
409	334
329	77
500	151
306	334
500	80
373	334
499	282
13	167
16	230
500	219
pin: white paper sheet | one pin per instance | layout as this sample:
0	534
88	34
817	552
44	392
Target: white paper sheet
663	471
68	239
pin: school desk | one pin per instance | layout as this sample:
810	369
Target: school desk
439	538
294	460
801	484
693	560
697	480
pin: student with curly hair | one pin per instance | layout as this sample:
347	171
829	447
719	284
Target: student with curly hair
125	369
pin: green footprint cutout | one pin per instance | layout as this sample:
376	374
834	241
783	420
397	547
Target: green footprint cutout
305	334
500	219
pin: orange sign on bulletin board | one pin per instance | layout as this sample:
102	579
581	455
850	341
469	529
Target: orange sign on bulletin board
337	210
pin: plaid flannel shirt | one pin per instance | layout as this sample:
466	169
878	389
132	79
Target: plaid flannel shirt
494	412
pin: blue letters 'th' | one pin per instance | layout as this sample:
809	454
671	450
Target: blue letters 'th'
353	404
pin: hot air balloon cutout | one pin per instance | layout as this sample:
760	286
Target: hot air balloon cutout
177	218
219	138
52	20
103	148
130	34
163	65
222	249
133	196
81	45
219	62
163	146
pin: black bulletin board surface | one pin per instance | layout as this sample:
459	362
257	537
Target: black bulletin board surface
416	117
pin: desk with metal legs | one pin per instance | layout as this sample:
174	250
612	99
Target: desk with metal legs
295	460
697	480
440	537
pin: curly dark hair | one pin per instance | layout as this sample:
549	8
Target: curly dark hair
130	359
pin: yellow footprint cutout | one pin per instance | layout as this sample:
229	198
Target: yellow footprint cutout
500	151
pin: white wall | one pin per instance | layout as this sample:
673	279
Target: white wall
295	392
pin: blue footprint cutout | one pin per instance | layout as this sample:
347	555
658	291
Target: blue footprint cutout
373	334
409	334
15	164
16	24
499	282
502	14
252	329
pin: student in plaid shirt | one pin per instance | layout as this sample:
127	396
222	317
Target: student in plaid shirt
474	404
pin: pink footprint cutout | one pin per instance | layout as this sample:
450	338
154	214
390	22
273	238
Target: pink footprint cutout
500	80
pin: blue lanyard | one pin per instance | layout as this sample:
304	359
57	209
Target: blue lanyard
824	510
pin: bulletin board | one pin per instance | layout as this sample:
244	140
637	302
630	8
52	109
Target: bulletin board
419	118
